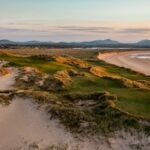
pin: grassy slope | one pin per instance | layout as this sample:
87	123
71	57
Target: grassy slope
132	100
42	65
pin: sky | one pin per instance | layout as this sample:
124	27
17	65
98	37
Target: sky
75	20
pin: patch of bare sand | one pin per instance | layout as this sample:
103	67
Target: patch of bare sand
22	124
7	81
126	59
25	126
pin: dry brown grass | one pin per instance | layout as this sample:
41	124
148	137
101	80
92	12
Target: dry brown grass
63	76
4	71
98	71
72	61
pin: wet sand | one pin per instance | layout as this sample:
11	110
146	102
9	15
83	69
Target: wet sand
136	60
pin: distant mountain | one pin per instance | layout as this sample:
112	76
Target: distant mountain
100	42
89	44
32	42
143	43
3	42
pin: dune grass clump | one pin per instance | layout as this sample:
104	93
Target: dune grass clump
110	120
127	83
146	83
41	97
71	117
63	76
101	117
89	96
52	84
73	61
42	57
29	78
58	147
98	71
130	84
4	71
5	99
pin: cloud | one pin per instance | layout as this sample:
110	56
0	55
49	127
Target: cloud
22	30
86	29
72	33
14	30
135	30
106	30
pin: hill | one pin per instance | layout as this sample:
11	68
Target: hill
87	44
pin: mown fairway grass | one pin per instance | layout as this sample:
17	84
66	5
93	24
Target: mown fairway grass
134	101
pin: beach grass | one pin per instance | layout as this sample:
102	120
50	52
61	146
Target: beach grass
135	101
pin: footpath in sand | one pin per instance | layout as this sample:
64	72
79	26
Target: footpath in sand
136	60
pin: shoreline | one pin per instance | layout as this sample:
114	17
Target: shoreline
124	59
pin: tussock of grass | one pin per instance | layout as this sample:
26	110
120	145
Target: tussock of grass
124	82
87	96
52	84
73	61
41	97
4	71
130	84
5	100
98	71
63	76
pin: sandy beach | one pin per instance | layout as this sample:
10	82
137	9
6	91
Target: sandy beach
136	60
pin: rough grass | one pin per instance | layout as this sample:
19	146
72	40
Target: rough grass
120	71
43	65
134	101
81	82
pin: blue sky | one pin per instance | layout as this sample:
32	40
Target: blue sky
74	20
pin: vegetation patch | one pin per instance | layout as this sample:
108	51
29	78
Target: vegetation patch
98	71
73	61
124	82
63	76
86	95
5	99
4	71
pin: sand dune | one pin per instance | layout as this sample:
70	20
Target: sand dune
22	124
25	126
136	60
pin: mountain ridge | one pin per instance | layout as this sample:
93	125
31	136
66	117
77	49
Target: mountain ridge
94	43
